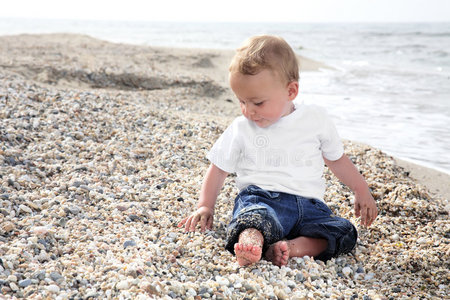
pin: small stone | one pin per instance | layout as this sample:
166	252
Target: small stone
62	222
25	209
55	276
422	241
129	243
122	285
53	288
75	210
149	288
291	284
40	230
122	207
8	227
341	261
281	294
347	271
32	205
13	286
77	184
248	287
24	283
222	281
299	277
173	236
369	276
40	275
91	294
191	292
134	218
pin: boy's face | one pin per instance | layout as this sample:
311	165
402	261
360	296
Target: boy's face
264	98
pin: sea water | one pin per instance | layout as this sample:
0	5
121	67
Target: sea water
387	85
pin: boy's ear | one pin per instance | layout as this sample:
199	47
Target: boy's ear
292	90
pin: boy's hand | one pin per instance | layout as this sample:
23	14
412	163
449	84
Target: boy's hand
366	208
203	214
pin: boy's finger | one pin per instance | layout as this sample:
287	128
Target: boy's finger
210	223
194	222
202	224
374	214
187	224
364	217
357	210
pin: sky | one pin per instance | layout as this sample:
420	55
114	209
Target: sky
233	10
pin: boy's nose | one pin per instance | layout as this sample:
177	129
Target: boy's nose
247	112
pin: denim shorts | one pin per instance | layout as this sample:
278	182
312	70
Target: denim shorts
284	216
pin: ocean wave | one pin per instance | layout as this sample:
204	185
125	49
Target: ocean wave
411	33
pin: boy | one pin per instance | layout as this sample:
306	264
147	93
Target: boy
277	150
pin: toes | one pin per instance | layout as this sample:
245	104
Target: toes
284	247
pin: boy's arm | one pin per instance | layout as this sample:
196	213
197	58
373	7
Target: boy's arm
348	174
204	214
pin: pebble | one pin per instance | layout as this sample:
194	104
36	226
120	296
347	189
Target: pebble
395	237
123	285
13	286
53	288
25	209
299	277
40	230
8	227
24	283
347	271
55	276
129	243
222	281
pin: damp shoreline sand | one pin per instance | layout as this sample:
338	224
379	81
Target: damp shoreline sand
103	152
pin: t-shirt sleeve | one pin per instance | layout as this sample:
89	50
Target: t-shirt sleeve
226	151
331	143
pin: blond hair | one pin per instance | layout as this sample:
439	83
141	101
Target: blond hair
266	52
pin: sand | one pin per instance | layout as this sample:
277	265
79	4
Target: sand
102	153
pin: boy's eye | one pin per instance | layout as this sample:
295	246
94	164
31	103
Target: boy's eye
259	103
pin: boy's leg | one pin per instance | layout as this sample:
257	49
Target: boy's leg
321	235
254	225
248	249
281	251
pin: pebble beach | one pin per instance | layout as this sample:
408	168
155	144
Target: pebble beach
102	153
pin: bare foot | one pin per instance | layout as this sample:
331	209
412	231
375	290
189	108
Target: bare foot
278	253
249	248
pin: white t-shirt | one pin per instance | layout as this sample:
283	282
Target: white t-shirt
284	157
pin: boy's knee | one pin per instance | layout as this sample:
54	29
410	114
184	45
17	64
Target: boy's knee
348	240
340	234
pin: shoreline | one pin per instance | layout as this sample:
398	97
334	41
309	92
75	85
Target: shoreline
103	153
435	180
